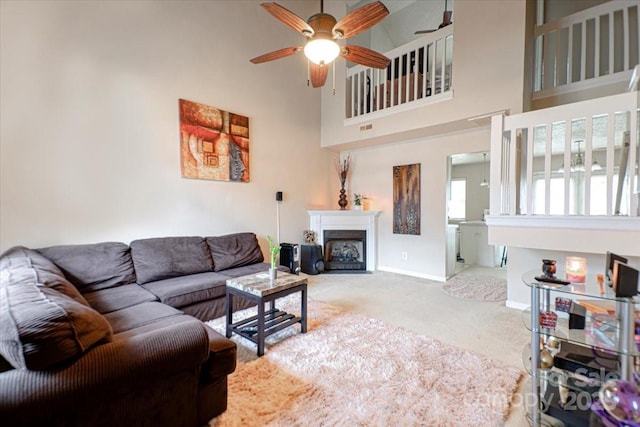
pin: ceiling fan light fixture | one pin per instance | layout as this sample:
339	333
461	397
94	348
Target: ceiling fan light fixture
322	30
321	51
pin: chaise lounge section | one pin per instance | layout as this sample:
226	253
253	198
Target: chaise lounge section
113	334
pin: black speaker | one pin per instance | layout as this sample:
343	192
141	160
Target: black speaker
577	315
625	280
611	260
279	196
311	260
290	257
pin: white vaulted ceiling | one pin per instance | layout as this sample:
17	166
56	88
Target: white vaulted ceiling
405	18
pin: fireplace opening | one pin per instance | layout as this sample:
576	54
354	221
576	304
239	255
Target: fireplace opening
345	249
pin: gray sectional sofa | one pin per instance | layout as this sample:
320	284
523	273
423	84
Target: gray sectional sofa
113	334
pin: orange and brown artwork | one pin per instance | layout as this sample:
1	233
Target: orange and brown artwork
406	199
214	144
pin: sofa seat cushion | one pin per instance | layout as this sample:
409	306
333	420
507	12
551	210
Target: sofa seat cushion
167	322
23	265
234	250
139	315
41	327
112	299
248	269
93	266
165	257
186	290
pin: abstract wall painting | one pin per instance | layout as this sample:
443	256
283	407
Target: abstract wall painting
214	144
406	199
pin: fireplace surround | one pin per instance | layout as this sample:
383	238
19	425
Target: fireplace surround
328	221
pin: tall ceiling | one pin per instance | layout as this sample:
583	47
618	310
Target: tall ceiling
405	18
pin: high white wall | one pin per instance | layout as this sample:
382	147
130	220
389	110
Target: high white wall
488	75
89	121
372	176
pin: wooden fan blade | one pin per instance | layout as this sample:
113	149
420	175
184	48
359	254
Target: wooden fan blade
318	74
276	54
365	56
446	20
288	18
446	17
360	20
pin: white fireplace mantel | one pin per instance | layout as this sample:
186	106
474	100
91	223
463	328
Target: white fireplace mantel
320	220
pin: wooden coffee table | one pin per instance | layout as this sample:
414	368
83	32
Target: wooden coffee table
260	290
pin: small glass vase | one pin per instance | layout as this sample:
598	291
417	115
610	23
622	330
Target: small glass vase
273	274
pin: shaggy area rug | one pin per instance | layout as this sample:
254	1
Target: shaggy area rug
476	287
351	370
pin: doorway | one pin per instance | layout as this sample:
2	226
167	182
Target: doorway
467	204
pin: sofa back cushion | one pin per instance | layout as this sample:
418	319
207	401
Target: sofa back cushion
38	269
165	257
93	266
41	327
234	250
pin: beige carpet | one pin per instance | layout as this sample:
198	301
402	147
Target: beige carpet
476	287
352	370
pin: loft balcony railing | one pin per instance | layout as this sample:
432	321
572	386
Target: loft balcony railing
575	161
591	48
419	73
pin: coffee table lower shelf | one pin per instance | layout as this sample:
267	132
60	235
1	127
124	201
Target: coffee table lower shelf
274	320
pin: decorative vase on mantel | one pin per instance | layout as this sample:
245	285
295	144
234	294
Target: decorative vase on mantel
342	202
342	167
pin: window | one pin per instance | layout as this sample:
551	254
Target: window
556	196
458	201
598	197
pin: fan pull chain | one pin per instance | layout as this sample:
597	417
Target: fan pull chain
308	73
334	77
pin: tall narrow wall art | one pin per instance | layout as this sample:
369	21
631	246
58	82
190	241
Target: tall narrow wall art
214	144
406	199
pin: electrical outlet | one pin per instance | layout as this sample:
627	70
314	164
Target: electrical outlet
404	256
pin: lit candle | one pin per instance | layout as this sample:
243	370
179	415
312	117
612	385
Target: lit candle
576	269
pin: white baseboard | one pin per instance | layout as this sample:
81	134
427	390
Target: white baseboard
516	305
412	273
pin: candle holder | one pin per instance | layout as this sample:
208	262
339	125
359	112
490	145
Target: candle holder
549	268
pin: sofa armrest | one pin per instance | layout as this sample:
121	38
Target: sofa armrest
222	357
105	372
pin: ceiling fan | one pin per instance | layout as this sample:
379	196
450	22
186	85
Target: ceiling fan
323	30
446	20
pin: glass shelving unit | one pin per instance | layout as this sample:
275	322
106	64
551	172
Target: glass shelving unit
611	335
